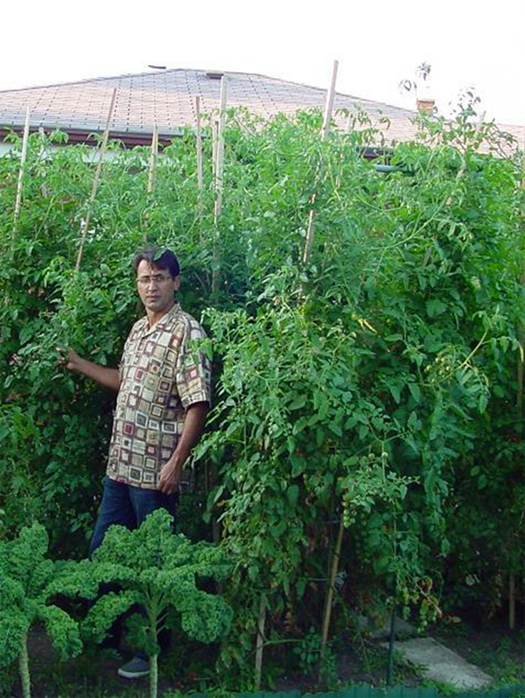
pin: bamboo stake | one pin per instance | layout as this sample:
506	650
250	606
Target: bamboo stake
214	129
512	601
200	177
153	159
520	415
96	179
520	372
325	129
349	122
329	105
391	645
219	168
259	647
521	327
521	425
331	587
42	135
219	164
21	171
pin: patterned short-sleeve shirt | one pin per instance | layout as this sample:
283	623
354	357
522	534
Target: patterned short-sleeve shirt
162	373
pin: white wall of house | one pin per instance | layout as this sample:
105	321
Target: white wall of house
91	156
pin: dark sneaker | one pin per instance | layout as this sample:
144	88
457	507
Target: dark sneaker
134	669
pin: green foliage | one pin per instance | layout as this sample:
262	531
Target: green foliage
28	581
368	373
157	570
19	437
376	383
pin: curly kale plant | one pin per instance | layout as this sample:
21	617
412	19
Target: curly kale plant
157	570
28	581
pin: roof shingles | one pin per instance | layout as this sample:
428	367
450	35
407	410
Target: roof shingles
167	98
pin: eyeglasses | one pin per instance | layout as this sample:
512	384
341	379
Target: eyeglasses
156	279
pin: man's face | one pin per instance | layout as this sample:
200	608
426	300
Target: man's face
156	287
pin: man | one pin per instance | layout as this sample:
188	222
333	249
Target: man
163	385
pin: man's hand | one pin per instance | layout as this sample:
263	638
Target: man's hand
171	471
170	476
69	358
109	377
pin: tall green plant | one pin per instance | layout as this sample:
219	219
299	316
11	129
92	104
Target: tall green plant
392	346
399	337
28	582
159	571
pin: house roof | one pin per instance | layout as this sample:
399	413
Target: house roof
167	98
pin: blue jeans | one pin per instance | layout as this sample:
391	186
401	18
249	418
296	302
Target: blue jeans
128	506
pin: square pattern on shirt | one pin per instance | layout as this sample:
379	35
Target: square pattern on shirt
162	373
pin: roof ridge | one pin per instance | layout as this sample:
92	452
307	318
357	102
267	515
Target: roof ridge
83	81
76	82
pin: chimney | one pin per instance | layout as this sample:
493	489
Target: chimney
426	105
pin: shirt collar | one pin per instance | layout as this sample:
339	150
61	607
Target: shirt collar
164	321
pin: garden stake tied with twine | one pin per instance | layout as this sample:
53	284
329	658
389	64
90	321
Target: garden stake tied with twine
217	164
152	170
259	643
96	180
325	129
519	408
310	233
214	129
218	184
21	172
219	152
327	615
198	146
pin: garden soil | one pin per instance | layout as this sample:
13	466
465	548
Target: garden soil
486	643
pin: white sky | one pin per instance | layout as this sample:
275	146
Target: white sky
468	43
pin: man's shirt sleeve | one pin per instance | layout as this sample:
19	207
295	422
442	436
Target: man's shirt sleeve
194	370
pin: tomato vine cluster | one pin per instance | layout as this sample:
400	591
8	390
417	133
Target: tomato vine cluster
374	384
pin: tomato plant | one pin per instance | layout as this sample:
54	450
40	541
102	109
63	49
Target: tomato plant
375	383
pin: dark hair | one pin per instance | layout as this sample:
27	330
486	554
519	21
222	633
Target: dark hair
159	257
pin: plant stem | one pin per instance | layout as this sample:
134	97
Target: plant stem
153	675
260	643
391	645
478	346
23	668
331	587
153	609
